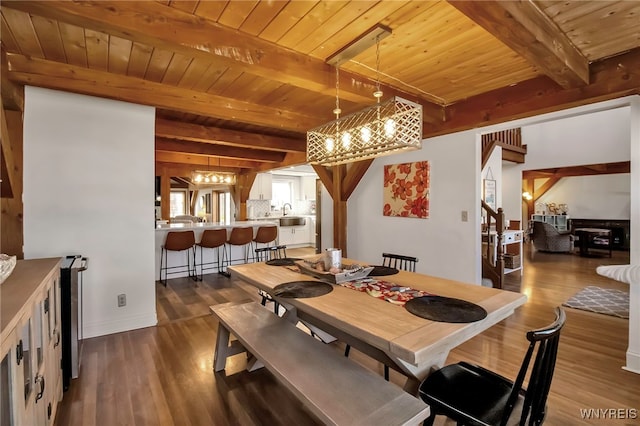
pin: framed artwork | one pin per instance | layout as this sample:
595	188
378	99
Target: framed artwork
489	192
406	190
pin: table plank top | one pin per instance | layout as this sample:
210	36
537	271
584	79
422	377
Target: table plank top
387	326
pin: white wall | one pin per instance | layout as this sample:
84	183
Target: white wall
89	190
593	197
593	134
446	246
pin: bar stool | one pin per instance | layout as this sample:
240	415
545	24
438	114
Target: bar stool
265	235
211	239
178	241
240	236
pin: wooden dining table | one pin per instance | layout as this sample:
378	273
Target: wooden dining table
386	331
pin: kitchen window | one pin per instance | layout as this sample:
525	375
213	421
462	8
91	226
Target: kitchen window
178	203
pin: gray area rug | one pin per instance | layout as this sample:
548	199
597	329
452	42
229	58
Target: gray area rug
601	300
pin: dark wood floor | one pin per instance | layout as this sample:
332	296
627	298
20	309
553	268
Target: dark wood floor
163	375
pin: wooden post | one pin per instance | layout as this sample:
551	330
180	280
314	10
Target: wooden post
165	193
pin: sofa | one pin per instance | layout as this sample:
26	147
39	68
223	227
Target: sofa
547	238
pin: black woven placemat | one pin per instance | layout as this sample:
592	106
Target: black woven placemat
381	271
445	309
302	289
285	261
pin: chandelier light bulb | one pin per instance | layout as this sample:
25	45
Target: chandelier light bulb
389	128
329	144
198	178
365	134
346	140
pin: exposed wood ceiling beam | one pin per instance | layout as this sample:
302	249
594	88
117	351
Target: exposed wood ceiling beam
223	151
174	30
544	188
523	27
197	133
584	170
54	75
12	95
611	78
198	162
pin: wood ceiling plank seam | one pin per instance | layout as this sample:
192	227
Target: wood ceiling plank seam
194	72
261	16
343	36
210	9
235	14
158	64
139	61
97	49
8	40
119	54
320	13
562	12
188	6
176	69
23	32
604	16
353	11
208	77
74	44
241	87
224	80
286	19
50	39
607	46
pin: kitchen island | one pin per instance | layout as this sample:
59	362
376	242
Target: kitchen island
198	228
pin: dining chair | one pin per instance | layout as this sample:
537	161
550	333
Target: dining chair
398	261
472	395
211	239
264	254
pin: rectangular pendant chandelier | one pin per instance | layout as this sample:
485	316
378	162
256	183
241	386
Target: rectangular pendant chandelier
385	128
209	177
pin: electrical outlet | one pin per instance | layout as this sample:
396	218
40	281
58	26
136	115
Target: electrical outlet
122	300
465	216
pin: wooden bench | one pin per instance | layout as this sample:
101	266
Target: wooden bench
336	389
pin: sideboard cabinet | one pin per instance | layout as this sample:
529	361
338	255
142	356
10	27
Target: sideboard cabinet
30	348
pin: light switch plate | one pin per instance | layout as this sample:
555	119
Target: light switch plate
465	216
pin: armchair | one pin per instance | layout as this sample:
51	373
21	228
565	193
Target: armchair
547	238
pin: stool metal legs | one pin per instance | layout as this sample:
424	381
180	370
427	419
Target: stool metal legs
164	265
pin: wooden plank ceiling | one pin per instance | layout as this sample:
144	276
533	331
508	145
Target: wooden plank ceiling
237	84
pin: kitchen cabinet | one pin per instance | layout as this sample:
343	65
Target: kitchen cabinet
308	187
261	189
30	352
297	236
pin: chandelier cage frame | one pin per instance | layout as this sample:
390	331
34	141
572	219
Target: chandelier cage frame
381	129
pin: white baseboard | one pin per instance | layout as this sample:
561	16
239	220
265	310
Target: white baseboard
127	323
633	362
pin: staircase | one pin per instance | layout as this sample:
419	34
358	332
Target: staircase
511	142
495	224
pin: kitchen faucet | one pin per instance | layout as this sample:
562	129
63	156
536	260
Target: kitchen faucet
284	208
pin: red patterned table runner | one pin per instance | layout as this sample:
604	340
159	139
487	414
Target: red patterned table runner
385	290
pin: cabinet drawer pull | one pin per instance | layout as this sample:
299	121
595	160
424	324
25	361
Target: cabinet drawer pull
19	353
39	380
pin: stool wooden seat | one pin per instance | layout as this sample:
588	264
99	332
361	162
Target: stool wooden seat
239	236
178	241
211	239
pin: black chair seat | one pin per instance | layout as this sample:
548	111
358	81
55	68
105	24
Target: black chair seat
472	395
469	392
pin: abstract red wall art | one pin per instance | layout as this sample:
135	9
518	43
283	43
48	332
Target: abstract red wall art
406	190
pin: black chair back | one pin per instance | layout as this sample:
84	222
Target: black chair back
399	261
546	339
267	253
